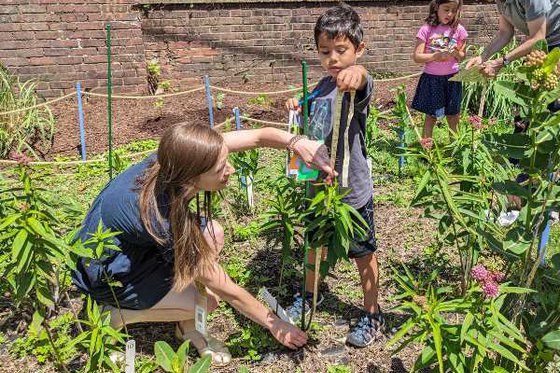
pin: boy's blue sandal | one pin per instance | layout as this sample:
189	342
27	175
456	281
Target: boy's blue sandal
294	310
369	328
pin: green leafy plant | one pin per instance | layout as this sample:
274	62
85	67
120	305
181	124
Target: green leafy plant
261	100
38	256
247	165
332	223
480	338
100	339
466	185
251	342
220	100
37	342
154	72
28	130
176	362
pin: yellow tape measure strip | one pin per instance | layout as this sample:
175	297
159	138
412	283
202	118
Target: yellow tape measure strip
336	135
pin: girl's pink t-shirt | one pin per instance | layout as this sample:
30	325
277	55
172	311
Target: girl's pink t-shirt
441	38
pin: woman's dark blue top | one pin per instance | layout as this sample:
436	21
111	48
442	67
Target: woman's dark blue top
143	268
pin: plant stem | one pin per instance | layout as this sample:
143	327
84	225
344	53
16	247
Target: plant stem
61	364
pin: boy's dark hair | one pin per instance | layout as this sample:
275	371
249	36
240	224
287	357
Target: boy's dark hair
432	18
340	20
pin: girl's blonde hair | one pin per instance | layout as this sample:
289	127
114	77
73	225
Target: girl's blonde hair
185	152
432	18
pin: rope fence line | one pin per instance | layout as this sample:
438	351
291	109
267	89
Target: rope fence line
72	163
259	93
149	97
191	90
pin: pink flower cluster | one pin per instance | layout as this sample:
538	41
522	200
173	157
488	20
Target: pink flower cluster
476	122
427	143
488	280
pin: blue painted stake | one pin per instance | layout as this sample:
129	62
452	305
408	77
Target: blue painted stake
209	100
401	157
237	118
81	118
544	241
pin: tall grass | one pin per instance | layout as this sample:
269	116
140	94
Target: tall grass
29	131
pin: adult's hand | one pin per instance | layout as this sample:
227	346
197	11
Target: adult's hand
289	335
492	68
475	61
316	155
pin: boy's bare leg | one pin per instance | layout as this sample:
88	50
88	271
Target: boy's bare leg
369	276
453	122
429	124
310	274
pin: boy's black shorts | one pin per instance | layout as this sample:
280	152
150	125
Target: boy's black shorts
368	245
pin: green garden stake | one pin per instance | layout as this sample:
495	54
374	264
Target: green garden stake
109	102
305	110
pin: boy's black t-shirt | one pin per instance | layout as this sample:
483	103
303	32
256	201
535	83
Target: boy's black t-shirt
321	120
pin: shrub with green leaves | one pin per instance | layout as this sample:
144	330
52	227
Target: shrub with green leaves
465	187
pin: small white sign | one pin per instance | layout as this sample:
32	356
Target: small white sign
130	356
200	319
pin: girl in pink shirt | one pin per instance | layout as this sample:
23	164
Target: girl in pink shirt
440	46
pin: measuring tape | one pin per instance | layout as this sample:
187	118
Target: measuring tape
336	135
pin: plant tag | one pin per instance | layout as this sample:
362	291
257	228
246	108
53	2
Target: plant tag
201	310
200	319
275	306
130	356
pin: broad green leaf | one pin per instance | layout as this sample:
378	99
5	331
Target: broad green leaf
164	355
509	145
201	366
466	325
9	220
552	340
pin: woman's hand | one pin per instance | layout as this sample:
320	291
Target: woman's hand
289	335
475	61
315	154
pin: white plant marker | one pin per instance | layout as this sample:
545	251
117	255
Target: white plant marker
249	188
275	306
130	356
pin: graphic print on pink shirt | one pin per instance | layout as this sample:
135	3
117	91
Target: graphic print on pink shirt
442	38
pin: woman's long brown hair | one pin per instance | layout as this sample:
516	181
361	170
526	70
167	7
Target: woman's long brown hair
185	152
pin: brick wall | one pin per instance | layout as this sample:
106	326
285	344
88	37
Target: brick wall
62	41
268	41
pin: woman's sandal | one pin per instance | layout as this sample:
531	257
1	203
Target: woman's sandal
215	348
